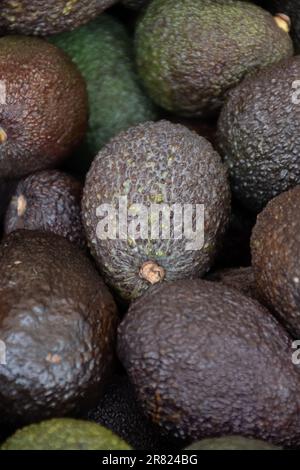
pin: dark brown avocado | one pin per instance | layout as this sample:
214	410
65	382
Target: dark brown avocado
58	324
43	106
48	201
207	361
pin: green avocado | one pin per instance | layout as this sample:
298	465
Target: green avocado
48	200
232	443
152	181
58	325
259	134
43	106
64	434
135	4
102	50
43	17
205	360
191	52
275	246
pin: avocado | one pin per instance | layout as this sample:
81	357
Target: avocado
119	411
7	187
64	434
207	361
275	246
189	54
241	278
43	17
102	50
43	106
48	200
259	134
232	443
58	324
152	180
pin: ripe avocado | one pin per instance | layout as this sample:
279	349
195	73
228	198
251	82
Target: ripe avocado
48	201
43	17
64	434
102	50
232	443
259	134
190	53
58	323
241	279
207	361
44	113
119	411
154	166
275	246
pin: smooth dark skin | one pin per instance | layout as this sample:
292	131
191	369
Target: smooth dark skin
43	17
207	361
275	247
58	322
48	201
44	117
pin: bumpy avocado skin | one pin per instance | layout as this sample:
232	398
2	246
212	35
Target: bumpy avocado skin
189	53
259	134
58	322
241	278
206	361
232	443
45	109
48	201
119	411
42	17
155	163
64	434
102	50
275	246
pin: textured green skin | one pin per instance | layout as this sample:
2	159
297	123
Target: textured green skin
207	361
53	204
46	111
102	51
259	134
190	52
53	302
156	163
44	17
275	247
231	443
64	434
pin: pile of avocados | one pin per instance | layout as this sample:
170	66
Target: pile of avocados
149	225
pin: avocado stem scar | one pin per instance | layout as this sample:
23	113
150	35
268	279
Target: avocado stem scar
3	136
21	205
283	21
152	272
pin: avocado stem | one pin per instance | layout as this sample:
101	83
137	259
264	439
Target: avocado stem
152	272
21	205
283	21
3	136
